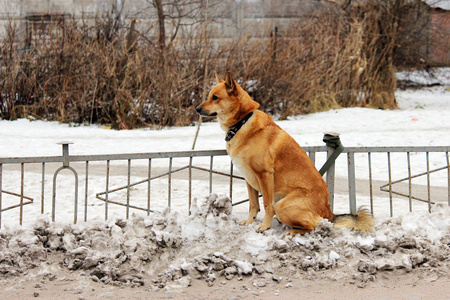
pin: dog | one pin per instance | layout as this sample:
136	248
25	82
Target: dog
273	164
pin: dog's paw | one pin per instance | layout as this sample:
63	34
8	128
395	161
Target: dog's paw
293	232
263	227
247	222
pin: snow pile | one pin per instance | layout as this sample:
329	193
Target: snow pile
169	250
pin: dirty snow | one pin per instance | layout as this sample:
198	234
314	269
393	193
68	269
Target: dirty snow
164	250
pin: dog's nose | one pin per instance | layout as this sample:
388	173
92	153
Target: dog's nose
198	109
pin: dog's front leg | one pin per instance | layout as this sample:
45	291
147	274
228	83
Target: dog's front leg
266	183
254	205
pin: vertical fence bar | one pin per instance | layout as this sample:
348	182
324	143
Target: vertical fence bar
351	182
75	217
22	172
408	155
86	189
428	182
231	181
107	188
170	183
42	188
128	189
1	192
149	185
312	155
370	181
210	174
54	198
190	184
330	179
391	207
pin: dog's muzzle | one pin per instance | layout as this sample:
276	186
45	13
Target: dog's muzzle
200	111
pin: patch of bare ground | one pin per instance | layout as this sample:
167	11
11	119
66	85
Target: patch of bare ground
77	286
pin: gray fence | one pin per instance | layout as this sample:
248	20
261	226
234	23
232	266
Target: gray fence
358	173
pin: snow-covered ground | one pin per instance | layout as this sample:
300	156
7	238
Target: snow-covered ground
210	242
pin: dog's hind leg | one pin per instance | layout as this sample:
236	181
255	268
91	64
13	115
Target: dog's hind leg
254	205
295	231
295	213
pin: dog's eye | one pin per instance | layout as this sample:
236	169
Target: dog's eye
214	97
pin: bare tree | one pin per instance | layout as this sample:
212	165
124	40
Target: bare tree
181	13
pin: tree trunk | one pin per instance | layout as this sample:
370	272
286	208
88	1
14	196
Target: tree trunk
162	29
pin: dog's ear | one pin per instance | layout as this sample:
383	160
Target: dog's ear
218	79
230	84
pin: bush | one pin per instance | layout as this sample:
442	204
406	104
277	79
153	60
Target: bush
342	58
77	77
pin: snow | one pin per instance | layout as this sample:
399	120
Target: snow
173	247
120	251
439	76
443	4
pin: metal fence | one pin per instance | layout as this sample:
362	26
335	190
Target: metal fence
356	167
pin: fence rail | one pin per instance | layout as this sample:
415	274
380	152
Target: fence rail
355	159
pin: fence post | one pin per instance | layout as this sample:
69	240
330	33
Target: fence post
334	148
330	180
351	182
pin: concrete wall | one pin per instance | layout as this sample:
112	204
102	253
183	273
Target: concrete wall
231	16
247	17
22	8
16	11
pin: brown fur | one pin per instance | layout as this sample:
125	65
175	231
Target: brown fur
272	162
363	221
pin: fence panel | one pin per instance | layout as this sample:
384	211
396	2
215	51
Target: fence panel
384	179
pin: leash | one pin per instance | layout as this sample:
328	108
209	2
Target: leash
332	140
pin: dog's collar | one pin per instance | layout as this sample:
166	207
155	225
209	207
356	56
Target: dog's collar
235	128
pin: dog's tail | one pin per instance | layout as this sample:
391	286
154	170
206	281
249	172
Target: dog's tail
361	221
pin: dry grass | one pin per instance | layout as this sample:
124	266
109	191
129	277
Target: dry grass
77	77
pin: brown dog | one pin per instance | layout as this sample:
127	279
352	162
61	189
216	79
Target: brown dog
273	164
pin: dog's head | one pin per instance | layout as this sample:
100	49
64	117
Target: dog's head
227	100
